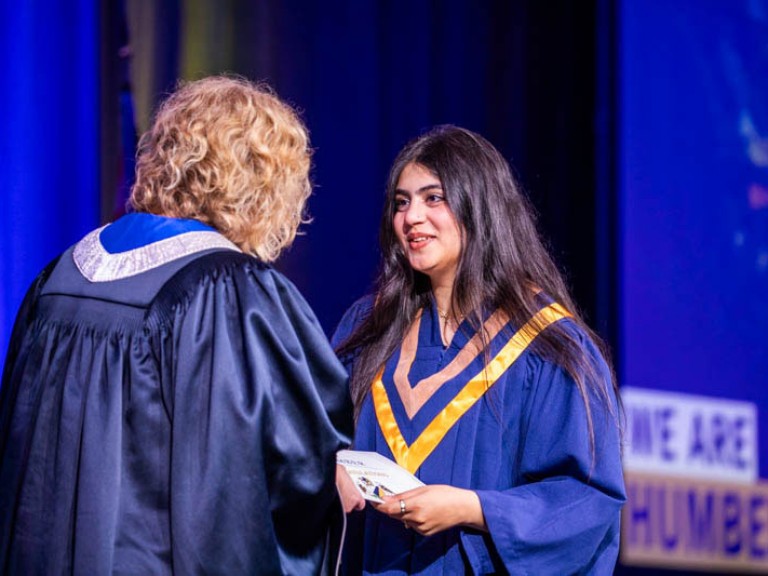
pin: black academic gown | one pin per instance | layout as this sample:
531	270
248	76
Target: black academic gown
180	420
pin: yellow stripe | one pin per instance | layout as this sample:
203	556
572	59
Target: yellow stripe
411	457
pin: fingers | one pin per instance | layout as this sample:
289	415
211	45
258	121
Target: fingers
394	506
432	509
354	502
350	496
407	510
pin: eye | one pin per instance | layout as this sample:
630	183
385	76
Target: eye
401	203
435	199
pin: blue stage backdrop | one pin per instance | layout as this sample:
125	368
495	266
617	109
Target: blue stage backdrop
694	221
49	142
694	184
367	77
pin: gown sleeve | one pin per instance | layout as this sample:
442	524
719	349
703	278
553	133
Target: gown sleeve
24	318
259	406
353	541
352	318
8	389
565	509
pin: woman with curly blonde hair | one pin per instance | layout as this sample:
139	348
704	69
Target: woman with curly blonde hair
231	155
170	403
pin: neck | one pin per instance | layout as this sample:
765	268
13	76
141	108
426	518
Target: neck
443	298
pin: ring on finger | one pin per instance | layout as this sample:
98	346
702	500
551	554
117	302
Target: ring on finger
402	506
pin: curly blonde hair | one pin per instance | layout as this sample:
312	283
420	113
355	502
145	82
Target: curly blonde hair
229	153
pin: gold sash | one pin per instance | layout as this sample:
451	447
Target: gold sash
411	457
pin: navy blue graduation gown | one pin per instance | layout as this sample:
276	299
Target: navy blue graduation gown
550	508
178	413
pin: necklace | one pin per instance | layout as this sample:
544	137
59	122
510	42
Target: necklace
444	316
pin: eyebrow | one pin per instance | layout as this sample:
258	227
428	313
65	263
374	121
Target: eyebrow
426	188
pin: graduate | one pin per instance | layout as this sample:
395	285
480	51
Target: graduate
169	403
472	369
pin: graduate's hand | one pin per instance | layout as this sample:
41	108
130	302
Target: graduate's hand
351	499
432	509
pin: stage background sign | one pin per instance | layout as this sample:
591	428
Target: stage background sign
693	270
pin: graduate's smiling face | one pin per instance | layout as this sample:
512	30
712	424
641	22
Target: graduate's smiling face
425	226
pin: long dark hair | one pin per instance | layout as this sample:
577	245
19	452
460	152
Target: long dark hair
503	264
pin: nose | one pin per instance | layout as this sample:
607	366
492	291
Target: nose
415	213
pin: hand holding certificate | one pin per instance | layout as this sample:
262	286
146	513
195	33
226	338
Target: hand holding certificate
427	509
376	476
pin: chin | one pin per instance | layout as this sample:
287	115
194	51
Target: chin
421	268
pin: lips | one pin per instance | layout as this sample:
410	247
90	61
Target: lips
416	241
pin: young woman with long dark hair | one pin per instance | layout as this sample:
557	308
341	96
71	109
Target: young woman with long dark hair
471	367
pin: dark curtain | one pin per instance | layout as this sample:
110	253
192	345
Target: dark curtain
368	76
49	141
